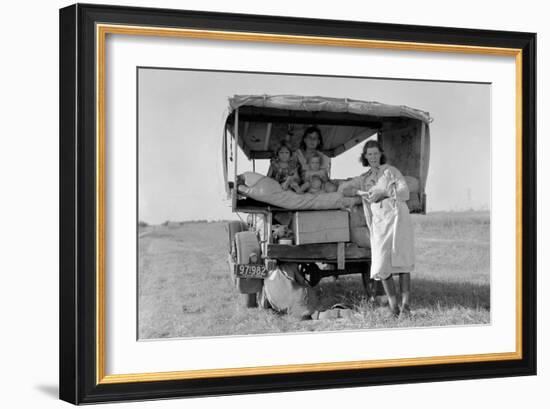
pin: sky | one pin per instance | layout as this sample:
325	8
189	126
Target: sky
180	126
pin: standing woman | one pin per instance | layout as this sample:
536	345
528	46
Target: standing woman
312	142
384	193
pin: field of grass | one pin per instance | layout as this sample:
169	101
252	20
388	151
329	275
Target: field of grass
185	289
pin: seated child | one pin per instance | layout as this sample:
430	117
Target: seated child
314	174
314	165
285	169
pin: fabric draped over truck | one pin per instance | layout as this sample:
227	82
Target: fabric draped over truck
267	121
261	124
318	103
267	190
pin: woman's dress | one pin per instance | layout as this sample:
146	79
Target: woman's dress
389	221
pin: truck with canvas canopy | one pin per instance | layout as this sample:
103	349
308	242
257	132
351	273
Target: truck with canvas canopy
323	234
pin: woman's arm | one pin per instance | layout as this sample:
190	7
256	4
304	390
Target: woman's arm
350	187
400	185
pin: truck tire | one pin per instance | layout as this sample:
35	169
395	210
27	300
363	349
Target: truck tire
247	244
234	227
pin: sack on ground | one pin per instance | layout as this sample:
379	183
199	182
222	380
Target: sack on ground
289	293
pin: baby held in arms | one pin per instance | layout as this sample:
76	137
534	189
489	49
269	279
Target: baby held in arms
315	185
316	179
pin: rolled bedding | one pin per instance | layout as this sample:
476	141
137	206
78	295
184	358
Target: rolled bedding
267	190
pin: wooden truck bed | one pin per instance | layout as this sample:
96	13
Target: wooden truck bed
325	252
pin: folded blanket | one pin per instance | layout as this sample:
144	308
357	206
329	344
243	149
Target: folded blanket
267	190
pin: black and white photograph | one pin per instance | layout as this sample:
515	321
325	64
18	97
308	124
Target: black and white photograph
211	204
276	203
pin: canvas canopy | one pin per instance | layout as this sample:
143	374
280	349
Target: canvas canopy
265	121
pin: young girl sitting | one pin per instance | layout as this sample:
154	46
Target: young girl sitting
285	169
314	169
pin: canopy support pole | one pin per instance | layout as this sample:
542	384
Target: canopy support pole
236	128
422	193
267	135
422	148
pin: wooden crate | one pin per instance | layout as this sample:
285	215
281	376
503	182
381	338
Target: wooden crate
320	226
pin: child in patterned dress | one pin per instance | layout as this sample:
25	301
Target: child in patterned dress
285	170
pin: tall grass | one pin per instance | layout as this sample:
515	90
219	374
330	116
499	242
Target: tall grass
185	288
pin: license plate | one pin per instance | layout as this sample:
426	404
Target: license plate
250	270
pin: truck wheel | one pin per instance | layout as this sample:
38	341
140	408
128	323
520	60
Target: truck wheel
250	300
234	227
246	244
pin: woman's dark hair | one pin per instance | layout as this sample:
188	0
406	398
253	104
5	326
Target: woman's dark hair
371	144
310	130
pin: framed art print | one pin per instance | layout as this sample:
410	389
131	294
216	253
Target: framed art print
258	203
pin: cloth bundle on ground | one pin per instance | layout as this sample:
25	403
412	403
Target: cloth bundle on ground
287	292
267	190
